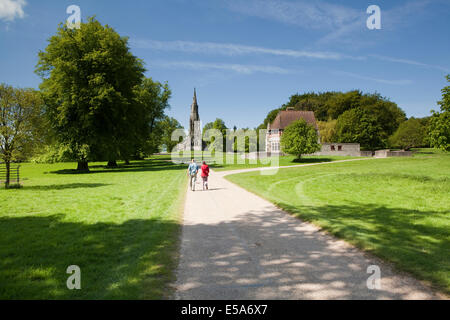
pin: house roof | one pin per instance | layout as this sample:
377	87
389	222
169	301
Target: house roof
286	117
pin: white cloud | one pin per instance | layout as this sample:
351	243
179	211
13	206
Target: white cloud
230	49
238	68
339	23
307	14
385	81
410	62
12	9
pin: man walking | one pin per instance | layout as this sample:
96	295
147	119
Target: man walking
192	172
205	175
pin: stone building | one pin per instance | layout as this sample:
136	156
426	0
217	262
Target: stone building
340	149
284	119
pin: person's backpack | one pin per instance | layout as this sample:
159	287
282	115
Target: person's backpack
193	170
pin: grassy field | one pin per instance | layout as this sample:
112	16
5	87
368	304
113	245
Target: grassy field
234	162
396	208
121	227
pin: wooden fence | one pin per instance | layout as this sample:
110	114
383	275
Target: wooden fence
14	174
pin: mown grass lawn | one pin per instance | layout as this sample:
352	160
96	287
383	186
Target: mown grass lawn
396	208
120	226
235	162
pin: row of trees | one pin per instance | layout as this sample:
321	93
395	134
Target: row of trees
231	138
369	119
94	103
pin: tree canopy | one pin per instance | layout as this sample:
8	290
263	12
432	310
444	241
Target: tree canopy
151	100
359	126
89	76
410	134
439	129
327	130
219	125
300	138
168	125
329	106
20	124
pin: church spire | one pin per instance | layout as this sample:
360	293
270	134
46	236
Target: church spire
194	126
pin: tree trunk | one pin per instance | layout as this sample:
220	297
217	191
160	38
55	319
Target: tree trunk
112	164
8	172
127	162
83	166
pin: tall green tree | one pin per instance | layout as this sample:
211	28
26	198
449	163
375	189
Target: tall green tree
219	125
168	126
359	126
152	100
300	138
410	134
20	124
387	114
311	101
327	130
242	140
89	76
439	127
339	103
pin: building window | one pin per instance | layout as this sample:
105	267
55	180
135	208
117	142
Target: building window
333	148
275	147
339	148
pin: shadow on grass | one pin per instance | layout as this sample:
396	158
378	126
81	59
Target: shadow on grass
132	260
257	254
67	186
283	164
137	166
396	234
311	160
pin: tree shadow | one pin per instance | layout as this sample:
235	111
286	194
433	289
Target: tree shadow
132	260
261	255
399	235
257	255
311	160
138	166
66	186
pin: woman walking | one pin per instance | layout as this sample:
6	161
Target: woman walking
205	175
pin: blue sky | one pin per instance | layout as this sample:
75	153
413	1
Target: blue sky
247	57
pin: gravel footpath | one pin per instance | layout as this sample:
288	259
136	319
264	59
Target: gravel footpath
236	245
